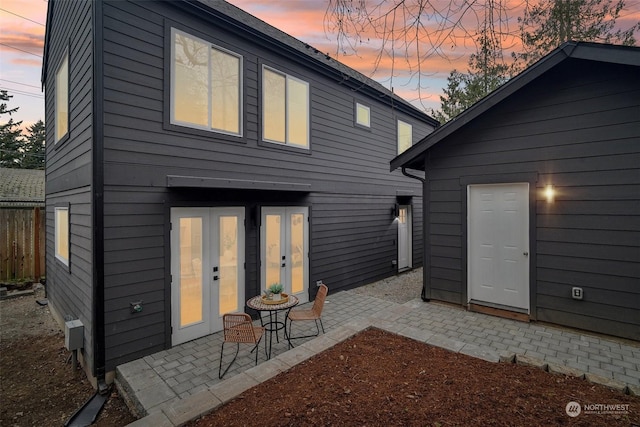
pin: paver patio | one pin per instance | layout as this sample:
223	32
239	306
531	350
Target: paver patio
180	383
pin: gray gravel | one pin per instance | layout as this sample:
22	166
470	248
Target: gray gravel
400	288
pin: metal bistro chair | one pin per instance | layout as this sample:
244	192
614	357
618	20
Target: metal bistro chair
315	314
239	329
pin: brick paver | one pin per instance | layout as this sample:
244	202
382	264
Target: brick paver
166	378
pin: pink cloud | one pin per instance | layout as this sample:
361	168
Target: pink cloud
27	62
22	33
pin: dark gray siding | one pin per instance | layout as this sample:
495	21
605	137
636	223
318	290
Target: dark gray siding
68	171
353	239
578	128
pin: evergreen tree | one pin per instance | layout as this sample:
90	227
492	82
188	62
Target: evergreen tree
550	23
10	135
34	148
486	72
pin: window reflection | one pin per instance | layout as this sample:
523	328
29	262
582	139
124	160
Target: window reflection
297	252
191	284
273	249
206	85
228	248
285	105
62	99
405	136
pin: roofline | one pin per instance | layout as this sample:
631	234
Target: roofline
45	48
579	50
343	79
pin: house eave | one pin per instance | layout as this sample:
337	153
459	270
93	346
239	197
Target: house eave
305	53
414	157
181	181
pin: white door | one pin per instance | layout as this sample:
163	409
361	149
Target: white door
207	269
404	237
284	249
498	244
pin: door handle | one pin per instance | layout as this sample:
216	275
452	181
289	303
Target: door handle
216	278
283	263
526	254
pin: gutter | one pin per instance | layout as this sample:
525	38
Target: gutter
97	196
424	294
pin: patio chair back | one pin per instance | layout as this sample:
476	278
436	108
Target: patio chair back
318	303
239	329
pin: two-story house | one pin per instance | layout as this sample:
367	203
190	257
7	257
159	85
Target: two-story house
196	155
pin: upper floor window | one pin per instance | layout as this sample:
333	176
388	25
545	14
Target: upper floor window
285	109
206	89
62	234
62	99
363	115
405	136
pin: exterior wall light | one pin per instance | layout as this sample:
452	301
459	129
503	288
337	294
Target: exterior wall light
549	193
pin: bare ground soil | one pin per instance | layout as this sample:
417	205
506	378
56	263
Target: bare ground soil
380	379
372	379
38	386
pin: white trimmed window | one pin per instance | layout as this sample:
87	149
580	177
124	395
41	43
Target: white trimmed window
363	115
62	234
405	136
285	109
62	99
206	89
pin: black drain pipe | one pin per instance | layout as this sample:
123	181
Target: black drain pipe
97	190
425	294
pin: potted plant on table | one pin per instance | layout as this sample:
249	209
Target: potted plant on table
276	291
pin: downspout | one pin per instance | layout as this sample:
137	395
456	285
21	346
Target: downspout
425	230
97	194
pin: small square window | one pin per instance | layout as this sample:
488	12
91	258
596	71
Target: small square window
363	115
62	234
405	136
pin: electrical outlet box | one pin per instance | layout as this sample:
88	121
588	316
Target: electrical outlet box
394	262
73	334
319	282
136	307
576	293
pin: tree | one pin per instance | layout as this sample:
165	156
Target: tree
10	135
550	23
33	154
414	32
487	71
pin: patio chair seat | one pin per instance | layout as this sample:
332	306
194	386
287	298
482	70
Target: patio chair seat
239	329
314	313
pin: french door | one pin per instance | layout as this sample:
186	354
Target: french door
207	269
284	249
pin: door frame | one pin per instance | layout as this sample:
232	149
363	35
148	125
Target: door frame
409	242
209	227
523	270
523	177
305	295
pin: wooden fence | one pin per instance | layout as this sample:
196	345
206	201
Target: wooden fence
22	245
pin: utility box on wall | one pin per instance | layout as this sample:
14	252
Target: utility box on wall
73	334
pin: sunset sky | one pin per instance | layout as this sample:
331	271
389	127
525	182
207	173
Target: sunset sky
22	27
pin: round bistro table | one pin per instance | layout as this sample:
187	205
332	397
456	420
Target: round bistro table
273	325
